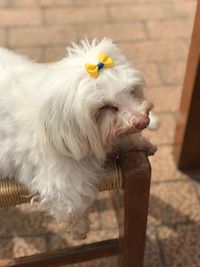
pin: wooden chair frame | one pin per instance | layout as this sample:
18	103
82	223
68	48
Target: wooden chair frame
187	138
131	204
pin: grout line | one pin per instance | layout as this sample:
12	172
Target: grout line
7	38
170	86
44	22
104	22
160	72
170	181
167	112
175	225
8	4
72	4
108	14
163	61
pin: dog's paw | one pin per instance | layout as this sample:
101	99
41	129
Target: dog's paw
80	228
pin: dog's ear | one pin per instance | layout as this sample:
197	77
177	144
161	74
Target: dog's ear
65	133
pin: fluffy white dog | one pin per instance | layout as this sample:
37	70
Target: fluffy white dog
58	123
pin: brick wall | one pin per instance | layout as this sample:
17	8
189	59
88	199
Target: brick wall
154	33
43	28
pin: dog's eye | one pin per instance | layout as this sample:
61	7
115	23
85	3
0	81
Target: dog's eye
109	107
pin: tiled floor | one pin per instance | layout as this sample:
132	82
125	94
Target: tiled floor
155	34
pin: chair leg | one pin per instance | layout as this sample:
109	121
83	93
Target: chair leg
136	174
135	199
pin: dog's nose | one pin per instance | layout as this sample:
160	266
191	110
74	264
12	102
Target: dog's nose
142	122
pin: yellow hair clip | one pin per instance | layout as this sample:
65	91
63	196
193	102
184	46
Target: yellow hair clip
104	61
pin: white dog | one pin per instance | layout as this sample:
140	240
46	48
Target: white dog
58	123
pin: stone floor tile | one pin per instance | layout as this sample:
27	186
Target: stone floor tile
172	203
180	245
51	226
197	188
136	12
155	51
105	262
190	175
108	219
184	9
54	53
21	246
3	3
151	73
152	253
163	165
95	221
29	220
164	98
131	31
164	134
173	72
107	213
103	195
23	220
56	241
6	248
33	53
173	28
24	246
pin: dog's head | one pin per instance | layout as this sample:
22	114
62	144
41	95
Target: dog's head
83	115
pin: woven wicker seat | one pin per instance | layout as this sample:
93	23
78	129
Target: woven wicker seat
131	173
13	193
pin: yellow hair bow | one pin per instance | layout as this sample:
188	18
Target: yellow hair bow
104	61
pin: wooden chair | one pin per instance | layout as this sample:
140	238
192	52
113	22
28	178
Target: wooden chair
129	181
187	139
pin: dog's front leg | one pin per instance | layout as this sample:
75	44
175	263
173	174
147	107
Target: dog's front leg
80	225
77	220
67	190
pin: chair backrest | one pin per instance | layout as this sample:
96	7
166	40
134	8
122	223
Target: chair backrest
187	139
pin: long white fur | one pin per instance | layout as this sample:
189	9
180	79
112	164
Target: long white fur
49	139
